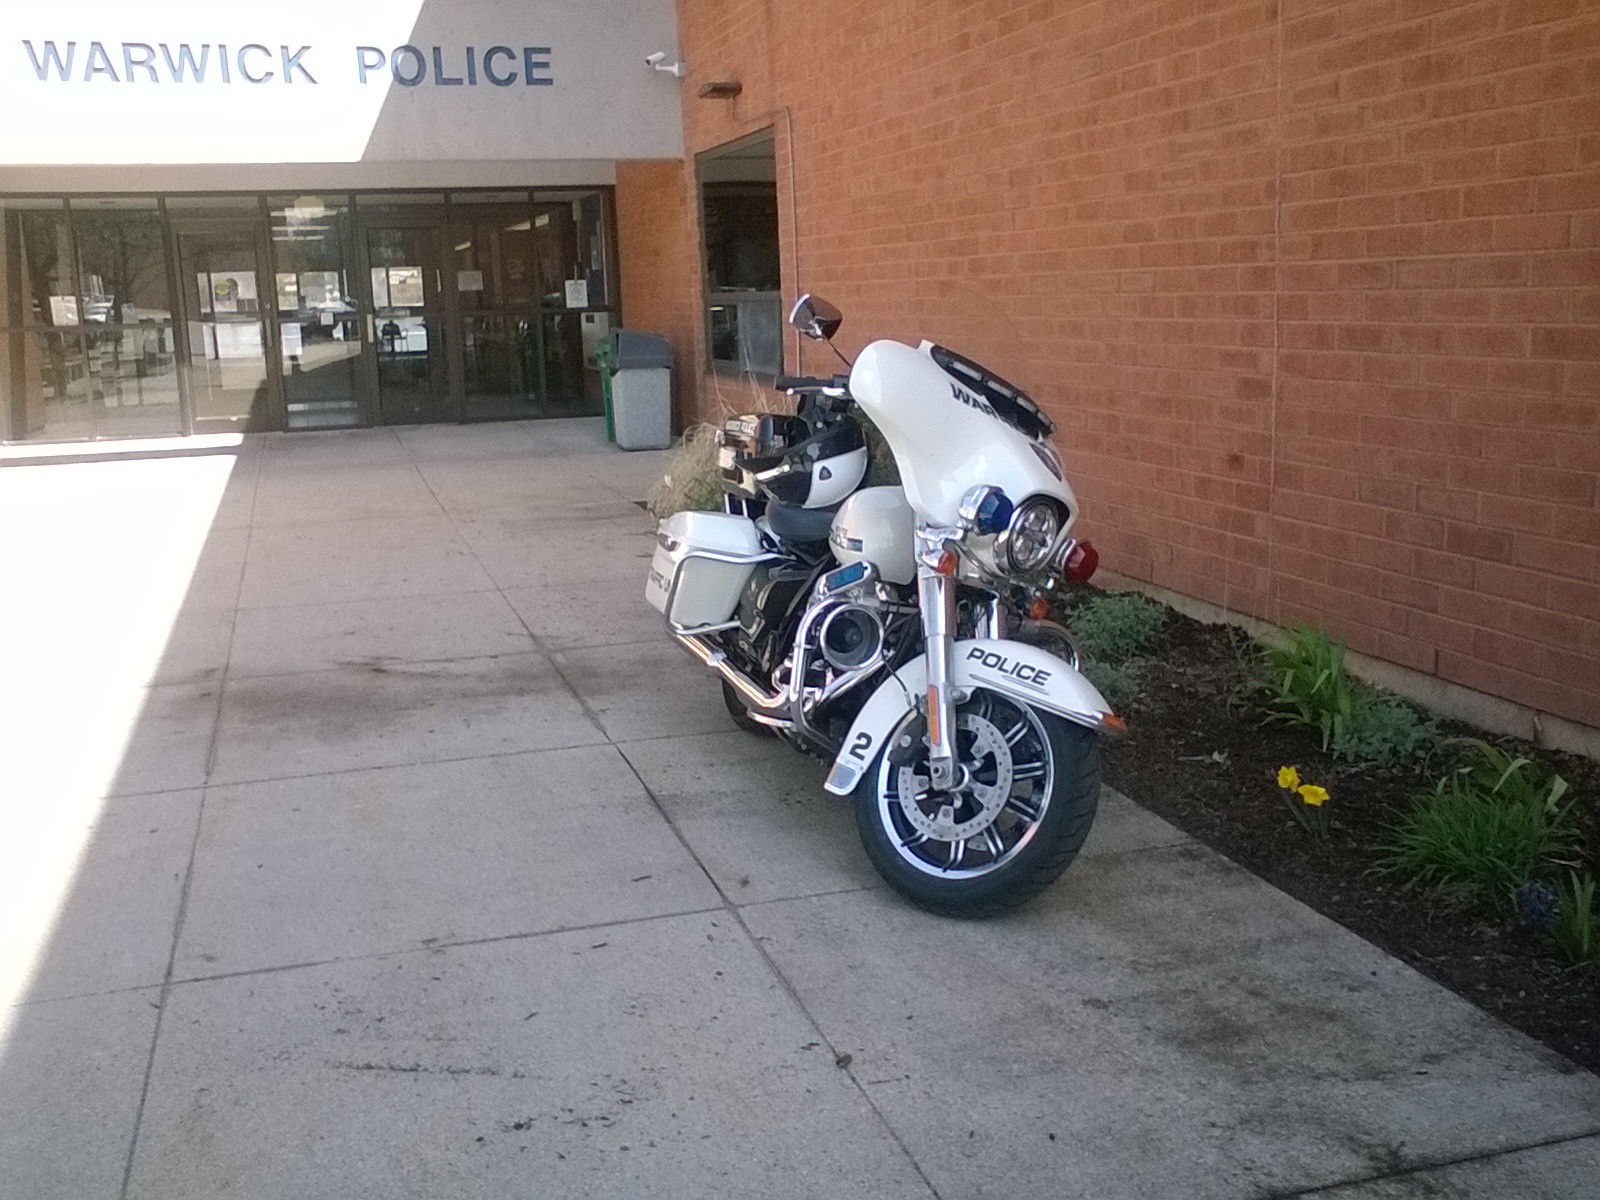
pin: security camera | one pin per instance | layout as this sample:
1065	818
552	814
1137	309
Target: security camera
658	61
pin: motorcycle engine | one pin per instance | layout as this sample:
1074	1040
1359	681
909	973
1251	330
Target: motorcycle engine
771	591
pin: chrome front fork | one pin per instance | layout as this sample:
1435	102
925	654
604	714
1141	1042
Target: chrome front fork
937	596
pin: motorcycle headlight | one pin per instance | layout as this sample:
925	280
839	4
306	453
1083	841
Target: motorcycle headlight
1031	535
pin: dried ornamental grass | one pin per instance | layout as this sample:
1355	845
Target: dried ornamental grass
691	483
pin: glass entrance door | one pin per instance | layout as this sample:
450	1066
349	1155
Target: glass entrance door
407	316
496	281
319	325
482	306
230	379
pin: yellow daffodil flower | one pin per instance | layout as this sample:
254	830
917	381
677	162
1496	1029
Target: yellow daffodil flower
1288	778
1312	794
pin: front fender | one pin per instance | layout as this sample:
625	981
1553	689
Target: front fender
1010	668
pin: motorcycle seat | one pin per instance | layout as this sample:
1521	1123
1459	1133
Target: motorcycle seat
800	526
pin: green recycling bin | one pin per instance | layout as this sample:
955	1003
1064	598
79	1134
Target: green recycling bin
602	360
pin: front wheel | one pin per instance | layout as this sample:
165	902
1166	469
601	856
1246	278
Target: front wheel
1029	786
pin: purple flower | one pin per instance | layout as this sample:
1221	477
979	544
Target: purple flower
1536	902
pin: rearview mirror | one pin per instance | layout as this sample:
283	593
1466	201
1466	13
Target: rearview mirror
815	317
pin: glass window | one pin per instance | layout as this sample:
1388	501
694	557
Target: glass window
517	197
741	231
133	380
741	256
397	199
39	283
122	263
572	386
495	259
149	315
222	206
555	250
592	255
500	363
47	376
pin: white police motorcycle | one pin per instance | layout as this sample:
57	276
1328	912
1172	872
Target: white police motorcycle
897	632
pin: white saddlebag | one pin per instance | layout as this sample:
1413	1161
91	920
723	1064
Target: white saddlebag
701	563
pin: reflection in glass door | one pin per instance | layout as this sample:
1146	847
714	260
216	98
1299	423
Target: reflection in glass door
495	278
125	300
570	252
407	324
219	272
319	330
90	349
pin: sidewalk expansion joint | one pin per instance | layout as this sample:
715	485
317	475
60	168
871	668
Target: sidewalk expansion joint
444	595
432	947
759	945
849	891
1439	1165
538	643
217	784
161	1002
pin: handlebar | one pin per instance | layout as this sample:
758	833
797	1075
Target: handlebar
808	383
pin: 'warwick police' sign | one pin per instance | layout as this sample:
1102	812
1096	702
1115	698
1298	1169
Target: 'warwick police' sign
253	62
207	83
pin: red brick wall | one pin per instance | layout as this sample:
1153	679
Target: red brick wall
1313	295
1439	365
656	245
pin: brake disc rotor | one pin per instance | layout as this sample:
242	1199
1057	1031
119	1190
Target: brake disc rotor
970	809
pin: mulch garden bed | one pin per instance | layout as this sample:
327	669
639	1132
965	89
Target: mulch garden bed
1193	704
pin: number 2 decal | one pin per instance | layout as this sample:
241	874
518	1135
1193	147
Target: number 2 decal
862	744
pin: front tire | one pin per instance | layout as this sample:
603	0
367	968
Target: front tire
1031	786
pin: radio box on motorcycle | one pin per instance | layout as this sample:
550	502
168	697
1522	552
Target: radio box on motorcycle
691	580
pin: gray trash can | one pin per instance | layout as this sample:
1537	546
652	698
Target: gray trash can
641	389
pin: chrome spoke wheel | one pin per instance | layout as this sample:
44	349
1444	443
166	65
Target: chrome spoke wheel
1006	771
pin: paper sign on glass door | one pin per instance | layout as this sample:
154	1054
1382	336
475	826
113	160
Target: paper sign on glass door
405	287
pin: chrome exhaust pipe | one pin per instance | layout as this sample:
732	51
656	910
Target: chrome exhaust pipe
765	708
791	708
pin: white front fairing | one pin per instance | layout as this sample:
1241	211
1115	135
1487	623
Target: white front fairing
1009	668
944	437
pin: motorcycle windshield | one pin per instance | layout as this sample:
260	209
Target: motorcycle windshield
948	434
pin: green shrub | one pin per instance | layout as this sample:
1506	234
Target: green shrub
1515	777
1112	627
1381	729
691	483
1305	683
1574	928
1487	829
1119	685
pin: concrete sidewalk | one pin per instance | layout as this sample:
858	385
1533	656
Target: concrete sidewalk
363	835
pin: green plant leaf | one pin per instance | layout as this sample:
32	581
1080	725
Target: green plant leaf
1485	829
1558	789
